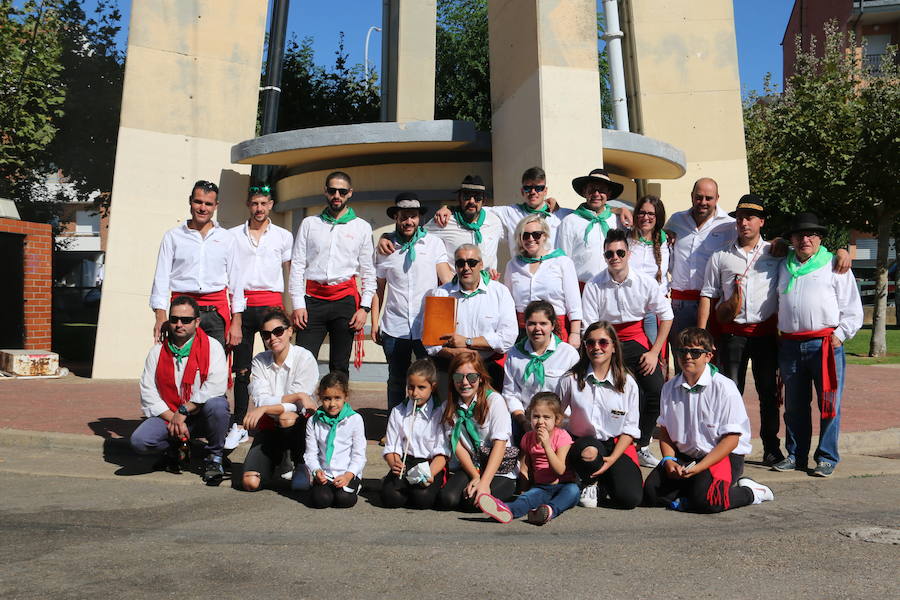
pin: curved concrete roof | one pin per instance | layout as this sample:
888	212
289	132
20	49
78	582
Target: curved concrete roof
640	157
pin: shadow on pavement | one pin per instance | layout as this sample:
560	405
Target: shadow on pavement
112	427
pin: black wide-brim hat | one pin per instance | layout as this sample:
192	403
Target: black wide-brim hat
404	201
472	183
615	189
751	203
805	221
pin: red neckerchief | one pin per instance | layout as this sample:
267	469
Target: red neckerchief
197	360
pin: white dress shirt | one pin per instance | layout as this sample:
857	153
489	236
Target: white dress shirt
189	262
261	261
497	426
760	299
638	295
349	454
818	300
489	313
407	283
453	235
423	429
270	382
694	246
554	281
511	214
331	254
643	261
599	410
588	257
519	391
215	385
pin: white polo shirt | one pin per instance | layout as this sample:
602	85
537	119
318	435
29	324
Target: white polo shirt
697	420
694	245
152	404
454	235
421	426
517	390
599	410
331	254
511	214
554	281
261	261
643	261
587	256
497	426
349	454
638	295
270	382
818	300
759	284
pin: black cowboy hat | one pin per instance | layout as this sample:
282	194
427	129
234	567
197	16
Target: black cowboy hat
598	175
472	183
405	200
750	203
805	221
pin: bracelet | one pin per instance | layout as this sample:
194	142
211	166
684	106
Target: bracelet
665	458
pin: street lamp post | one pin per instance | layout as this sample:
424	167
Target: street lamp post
366	58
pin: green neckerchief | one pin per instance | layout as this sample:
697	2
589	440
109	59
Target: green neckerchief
593	218
662	238
322	417
485	277
476	226
712	371
535	366
465	419
543	210
818	260
598	382
348	216
183	352
410	246
548	256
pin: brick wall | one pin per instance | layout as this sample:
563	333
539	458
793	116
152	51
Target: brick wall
38	280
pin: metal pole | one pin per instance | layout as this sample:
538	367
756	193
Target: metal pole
368	34
613	37
271	91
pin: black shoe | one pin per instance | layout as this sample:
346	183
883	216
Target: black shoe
168	462
213	471
772	457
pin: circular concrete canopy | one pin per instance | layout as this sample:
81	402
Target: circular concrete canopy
627	154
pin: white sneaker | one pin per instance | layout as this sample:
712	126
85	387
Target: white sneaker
761	493
646	458
236	435
588	496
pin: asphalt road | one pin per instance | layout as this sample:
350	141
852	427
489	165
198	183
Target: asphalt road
75	525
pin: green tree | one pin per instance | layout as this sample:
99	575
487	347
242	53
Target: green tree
831	144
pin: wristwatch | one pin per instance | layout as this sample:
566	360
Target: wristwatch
468	342
368	309
183	410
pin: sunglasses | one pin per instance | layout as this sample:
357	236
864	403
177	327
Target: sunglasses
602	343
209	186
277	332
183	320
694	352
533	188
462	262
807	234
470	377
261	189
534	235
333	190
609	253
477	196
645	213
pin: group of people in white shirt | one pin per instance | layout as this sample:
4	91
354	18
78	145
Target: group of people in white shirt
556	337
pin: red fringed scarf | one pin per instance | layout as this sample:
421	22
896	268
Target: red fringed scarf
197	360
717	494
827	404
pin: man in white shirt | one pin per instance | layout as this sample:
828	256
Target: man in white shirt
183	392
744	277
818	310
418	264
199	259
263	251
624	297
331	250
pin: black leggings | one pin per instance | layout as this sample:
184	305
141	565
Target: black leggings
622	480
397	492
649	388
451	495
325	496
269	446
660	490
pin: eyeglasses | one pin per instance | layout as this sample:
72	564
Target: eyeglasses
183	320
260	189
209	186
807	234
277	332
602	343
477	196
533	188
470	377
592	189
534	235
646	213
472	262
694	352
609	253
333	190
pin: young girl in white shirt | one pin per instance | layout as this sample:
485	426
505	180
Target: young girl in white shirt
335	447
479	427
415	446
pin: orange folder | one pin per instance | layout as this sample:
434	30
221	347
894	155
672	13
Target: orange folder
439	319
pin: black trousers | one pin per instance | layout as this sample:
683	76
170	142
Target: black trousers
397	492
325	496
649	387
660	490
451	495
734	352
213	324
622	480
331	318
269	446
251	323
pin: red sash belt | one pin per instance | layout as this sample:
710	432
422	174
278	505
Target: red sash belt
263	298
337	291
218	299
562	322
686	295
829	367
633	331
766	328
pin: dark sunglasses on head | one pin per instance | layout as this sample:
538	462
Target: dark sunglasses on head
209	186
184	320
472	262
609	253
536	188
645	213
261	189
535	235
602	343
333	190
277	332
694	352
470	377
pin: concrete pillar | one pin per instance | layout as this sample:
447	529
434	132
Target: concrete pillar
409	69
545	93
191	91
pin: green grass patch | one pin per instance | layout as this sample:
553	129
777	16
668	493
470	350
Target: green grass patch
857	347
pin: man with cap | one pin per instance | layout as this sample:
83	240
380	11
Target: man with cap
818	310
581	234
418	264
331	250
743	277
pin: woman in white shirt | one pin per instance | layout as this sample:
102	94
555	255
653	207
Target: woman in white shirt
537	273
650	249
282	380
479	427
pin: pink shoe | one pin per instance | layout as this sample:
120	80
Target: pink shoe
494	508
540	515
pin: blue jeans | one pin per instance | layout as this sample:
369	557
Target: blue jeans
801	369
651	328
559	496
398	352
685	315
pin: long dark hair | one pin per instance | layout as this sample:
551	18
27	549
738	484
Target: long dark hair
617	364
481	404
660	210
